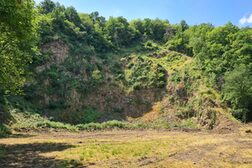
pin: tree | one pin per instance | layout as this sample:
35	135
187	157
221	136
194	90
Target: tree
241	46
47	6
169	33
216	54
97	19
183	25
179	41
155	29
17	43
197	36
72	16
238	90
158	29
118	32
138	27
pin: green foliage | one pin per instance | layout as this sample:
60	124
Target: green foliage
155	29
46	6
143	73
148	29
90	115
4	131
2	151
150	45
118	31
33	121
238	90
183	25
185	113
96	75
17	43
217	52
179	42
197	36
94	47
57	22
190	123
105	125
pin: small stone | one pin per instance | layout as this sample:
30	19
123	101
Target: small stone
248	131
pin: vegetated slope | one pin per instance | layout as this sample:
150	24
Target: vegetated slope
101	90
159	89
149	72
189	102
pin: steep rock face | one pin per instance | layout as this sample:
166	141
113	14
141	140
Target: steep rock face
58	50
114	100
69	86
107	103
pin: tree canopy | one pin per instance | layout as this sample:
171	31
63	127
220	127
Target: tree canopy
223	54
17	43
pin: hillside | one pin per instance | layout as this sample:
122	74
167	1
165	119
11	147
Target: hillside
159	89
83	90
84	69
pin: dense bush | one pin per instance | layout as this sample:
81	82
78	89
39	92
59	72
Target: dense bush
144	74
238	91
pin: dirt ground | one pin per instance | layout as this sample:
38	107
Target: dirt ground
119	148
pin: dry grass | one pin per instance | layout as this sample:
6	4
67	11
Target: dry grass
144	148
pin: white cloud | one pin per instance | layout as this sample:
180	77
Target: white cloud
246	19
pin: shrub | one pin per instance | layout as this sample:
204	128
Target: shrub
90	115
105	125
35	121
150	45
144	74
96	75
185	113
56	125
238	91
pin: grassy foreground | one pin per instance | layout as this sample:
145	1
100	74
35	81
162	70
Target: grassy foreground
127	149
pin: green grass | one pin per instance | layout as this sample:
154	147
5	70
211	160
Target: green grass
105	125
190	123
32	121
4	131
109	151
2	152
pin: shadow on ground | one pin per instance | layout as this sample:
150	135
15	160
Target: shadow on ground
29	156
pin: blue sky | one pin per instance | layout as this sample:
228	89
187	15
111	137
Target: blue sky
217	12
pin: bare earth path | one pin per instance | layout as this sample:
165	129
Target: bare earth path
127	149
